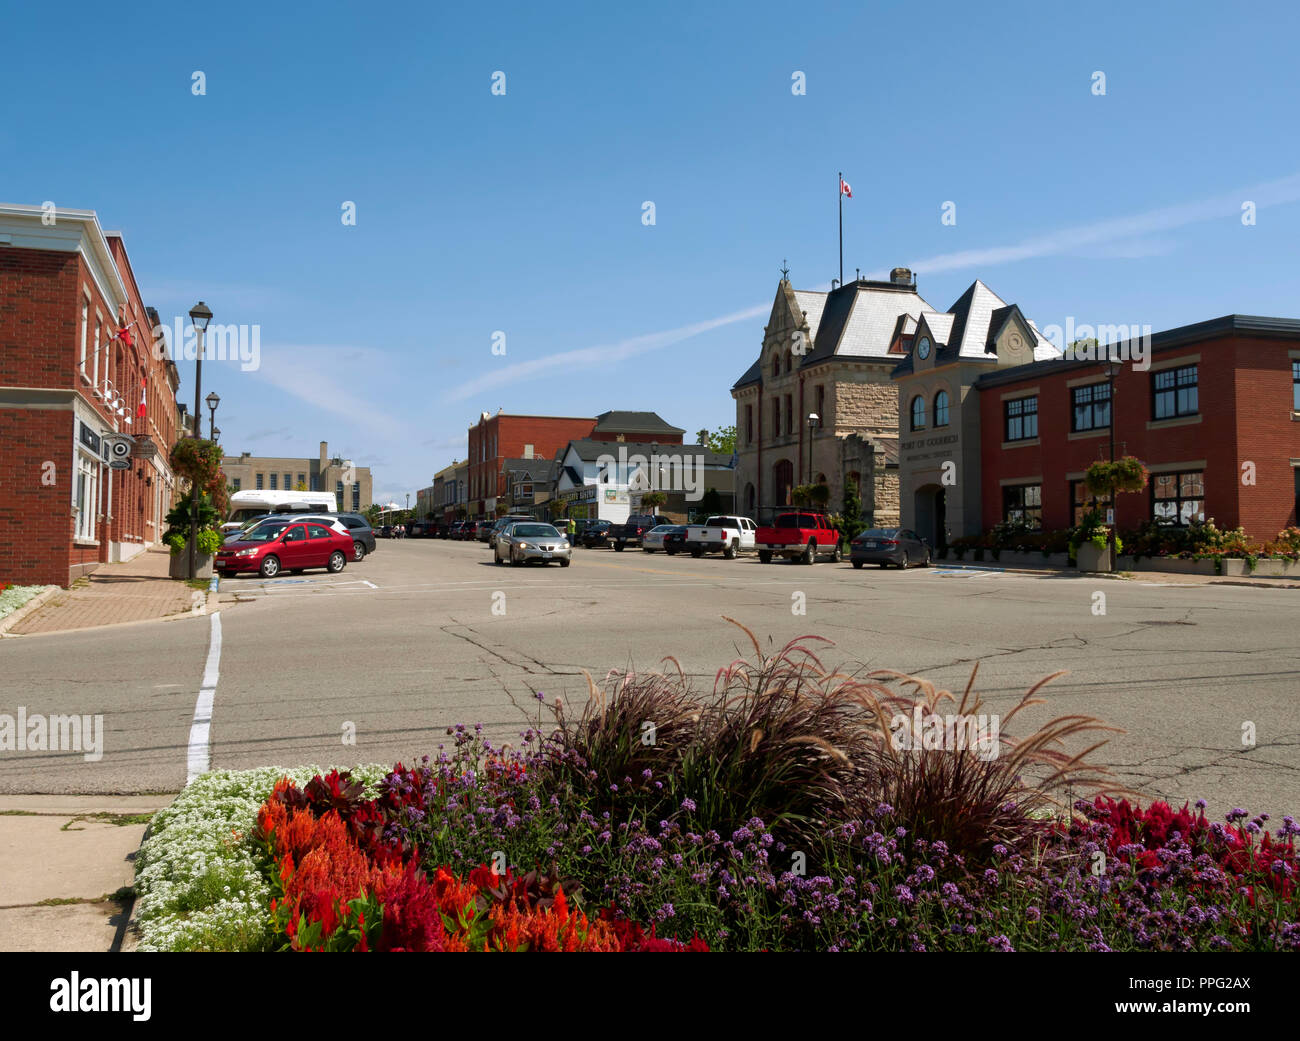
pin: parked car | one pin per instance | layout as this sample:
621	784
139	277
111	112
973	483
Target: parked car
289	545
798	534
363	536
524	541
386	532
637	525
897	546
595	534
656	539
469	531
723	534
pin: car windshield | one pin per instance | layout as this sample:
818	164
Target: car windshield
265	532
535	531
795	520
880	533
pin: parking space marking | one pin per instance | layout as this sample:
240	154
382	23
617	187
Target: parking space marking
198	755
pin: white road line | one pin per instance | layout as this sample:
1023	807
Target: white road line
199	759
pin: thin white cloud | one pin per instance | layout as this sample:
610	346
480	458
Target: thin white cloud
603	354
307	373
1127	231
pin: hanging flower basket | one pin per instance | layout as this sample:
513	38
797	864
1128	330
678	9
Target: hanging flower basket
1126	474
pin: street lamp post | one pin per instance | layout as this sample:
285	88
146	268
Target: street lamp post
1111	368
813	420
213	400
200	315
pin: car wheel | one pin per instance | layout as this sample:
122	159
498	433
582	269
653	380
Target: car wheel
697	553
337	561
903	565
809	552
646	549
858	564
358	551
730	552
497	557
835	554
270	567
765	556
565	562
618	547
926	561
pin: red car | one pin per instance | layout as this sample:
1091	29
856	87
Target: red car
798	534
286	546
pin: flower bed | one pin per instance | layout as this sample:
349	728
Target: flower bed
770	814
13	597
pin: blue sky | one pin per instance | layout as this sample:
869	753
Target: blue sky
522	213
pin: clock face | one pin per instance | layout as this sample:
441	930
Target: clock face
923	348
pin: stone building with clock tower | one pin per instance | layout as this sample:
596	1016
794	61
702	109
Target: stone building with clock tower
830	355
943	354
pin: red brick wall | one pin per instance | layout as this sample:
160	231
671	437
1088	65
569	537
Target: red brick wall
1244	399
547	435
36	522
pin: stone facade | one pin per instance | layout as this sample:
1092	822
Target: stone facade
839	368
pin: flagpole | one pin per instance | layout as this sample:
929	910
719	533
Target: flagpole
839	188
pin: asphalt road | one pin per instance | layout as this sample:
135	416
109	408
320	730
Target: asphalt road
406	643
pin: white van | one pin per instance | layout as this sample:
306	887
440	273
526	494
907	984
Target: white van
246	505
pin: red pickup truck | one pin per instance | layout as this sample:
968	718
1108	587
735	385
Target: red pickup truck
800	535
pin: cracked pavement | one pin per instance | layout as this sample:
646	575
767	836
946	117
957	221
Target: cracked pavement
406	643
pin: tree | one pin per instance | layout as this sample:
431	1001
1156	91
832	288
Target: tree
722	440
801	495
651	501
851	522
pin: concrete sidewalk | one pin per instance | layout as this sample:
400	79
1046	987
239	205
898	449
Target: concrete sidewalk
67	867
138	590
1163	578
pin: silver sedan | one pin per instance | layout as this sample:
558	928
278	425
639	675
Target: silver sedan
521	542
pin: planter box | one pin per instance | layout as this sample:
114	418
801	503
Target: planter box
1091	558
179	565
1032	559
1234	567
1277	569
1167	565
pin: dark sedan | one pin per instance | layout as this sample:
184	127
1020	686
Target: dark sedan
595	534
883	546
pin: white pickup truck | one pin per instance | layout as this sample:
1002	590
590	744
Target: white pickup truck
728	535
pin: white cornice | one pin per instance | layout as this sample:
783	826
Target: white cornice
73	231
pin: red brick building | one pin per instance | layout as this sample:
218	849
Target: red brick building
495	439
1215	419
66	380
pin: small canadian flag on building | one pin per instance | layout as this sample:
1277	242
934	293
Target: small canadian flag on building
140	410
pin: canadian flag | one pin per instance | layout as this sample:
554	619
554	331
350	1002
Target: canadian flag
845	189
140	410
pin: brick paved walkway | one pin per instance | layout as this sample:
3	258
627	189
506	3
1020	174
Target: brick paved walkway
135	591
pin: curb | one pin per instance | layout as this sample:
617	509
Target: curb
17	616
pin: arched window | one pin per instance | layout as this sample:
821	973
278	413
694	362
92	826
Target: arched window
776	364
918	413
941	409
783	481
